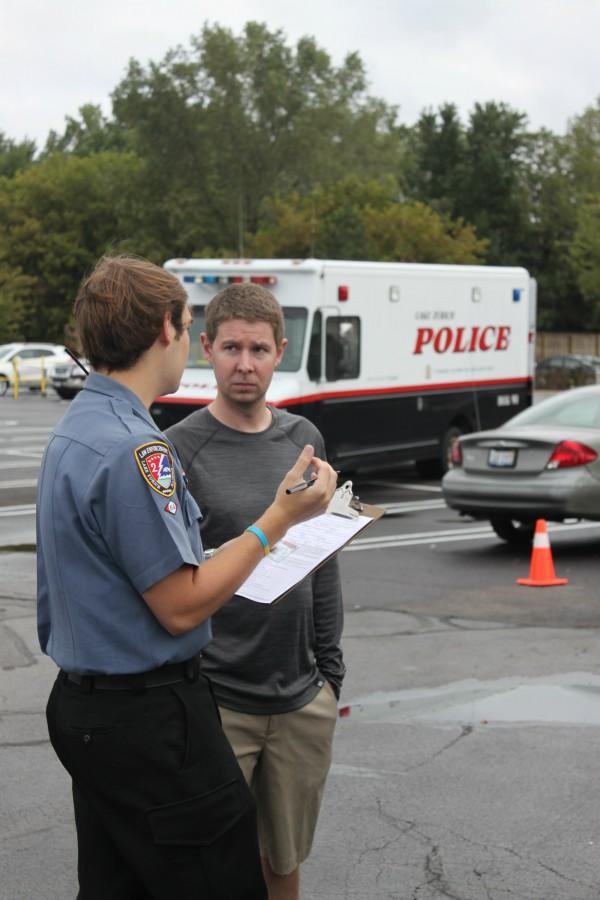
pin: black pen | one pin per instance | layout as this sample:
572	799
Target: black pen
300	487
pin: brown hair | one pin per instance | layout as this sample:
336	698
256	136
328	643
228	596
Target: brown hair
244	301
120	308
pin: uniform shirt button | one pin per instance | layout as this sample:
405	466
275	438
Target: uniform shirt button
87	738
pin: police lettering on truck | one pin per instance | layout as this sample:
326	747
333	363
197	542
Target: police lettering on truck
463	340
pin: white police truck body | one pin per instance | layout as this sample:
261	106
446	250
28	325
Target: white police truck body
390	360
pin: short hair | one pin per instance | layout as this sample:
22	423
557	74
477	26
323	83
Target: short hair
251	302
120	308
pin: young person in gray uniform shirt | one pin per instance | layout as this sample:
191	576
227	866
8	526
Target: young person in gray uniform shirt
162	808
276	670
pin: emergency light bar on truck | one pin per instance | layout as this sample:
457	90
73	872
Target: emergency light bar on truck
392	361
229	279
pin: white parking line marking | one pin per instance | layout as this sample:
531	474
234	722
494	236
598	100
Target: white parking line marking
432	488
32	452
482	532
18	483
476	529
21	464
13	436
395	508
25	510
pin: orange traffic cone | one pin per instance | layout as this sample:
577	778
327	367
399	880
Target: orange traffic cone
541	572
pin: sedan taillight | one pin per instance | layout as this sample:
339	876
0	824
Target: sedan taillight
456	453
571	453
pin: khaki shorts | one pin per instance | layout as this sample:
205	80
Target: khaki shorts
285	759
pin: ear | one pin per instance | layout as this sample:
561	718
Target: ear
167	331
206	346
280	351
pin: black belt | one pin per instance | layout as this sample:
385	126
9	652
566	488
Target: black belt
171	673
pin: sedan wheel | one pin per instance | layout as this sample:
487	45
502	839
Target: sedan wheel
3	386
513	531
65	393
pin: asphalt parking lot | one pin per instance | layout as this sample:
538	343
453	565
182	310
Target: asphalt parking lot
464	764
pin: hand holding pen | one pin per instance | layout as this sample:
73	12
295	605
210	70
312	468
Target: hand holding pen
303	485
292	496
300	487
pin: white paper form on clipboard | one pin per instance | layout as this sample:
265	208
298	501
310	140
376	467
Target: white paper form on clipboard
301	551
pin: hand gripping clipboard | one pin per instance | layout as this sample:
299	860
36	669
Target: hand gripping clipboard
308	546
345	503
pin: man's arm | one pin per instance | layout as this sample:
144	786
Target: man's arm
188	596
328	613
328	618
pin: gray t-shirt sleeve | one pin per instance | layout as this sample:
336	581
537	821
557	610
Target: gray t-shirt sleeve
328	613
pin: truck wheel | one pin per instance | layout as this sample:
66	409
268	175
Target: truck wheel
3	385
436	468
513	531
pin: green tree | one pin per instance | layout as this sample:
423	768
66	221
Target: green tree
91	133
438	148
414	232
15	288
492	194
476	173
585	256
552	221
234	120
15	155
56	219
564	186
583	143
362	219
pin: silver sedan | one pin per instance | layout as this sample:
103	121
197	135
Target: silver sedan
543	463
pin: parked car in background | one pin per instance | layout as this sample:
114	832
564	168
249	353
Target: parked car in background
32	359
558	373
67	378
543	463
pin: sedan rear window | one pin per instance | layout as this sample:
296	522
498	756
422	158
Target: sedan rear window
579	412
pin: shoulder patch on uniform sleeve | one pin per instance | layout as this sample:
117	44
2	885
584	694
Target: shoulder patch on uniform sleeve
155	462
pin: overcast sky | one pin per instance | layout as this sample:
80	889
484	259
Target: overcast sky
539	56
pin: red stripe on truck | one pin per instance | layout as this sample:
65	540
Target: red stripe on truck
365	392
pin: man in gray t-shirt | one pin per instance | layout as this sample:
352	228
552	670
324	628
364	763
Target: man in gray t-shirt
276	670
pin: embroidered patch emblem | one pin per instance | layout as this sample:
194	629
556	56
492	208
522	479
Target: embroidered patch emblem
156	465
171	507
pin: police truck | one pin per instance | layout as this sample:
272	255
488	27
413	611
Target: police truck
391	361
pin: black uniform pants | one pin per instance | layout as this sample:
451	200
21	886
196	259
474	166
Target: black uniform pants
161	807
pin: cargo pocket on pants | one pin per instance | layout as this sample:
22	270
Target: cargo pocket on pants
215	834
200	820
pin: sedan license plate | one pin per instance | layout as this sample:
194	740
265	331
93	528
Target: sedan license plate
502	459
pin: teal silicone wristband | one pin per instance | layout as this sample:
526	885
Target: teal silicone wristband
254	529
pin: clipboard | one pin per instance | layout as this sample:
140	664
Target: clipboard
308	546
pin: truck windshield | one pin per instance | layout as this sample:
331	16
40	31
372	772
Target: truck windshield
295	318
